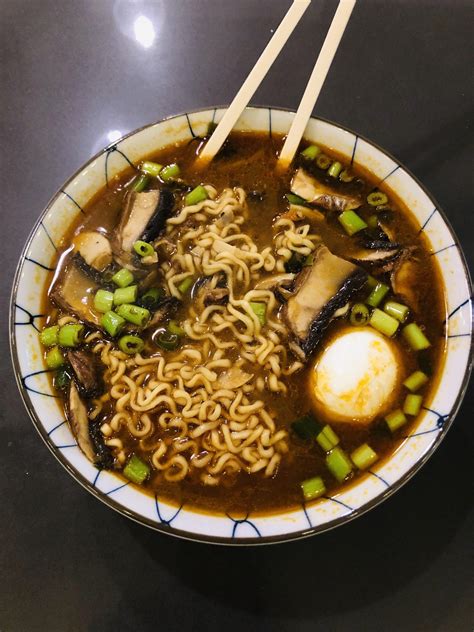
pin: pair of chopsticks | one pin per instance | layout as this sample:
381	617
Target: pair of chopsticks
261	68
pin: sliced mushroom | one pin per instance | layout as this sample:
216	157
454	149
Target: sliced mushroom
320	291
297	212
94	248
73	291
377	254
167	308
86	374
233	378
80	423
205	292
276	281
402	278
316	192
143	217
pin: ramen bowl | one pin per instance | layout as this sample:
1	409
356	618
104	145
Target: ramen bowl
40	256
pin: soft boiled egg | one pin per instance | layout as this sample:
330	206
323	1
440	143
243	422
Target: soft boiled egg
356	377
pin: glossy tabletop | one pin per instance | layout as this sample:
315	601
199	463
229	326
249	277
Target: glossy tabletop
76	75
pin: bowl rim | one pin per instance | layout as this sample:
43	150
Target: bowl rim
165	527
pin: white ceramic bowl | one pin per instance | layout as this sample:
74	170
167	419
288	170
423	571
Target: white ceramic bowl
40	256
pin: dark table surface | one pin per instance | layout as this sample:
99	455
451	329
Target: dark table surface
72	72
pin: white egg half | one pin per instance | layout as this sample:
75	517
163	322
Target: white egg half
356	377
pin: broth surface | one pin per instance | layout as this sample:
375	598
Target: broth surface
247	161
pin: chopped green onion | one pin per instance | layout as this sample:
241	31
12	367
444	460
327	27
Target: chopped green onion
134	314
346	176
377	198
174	328
311	152
327	438
373	221
123	277
313	488
359	314
412	404
323	161
395	420
199	194
415	337
296	199
131	344
140	183
151	298
103	301
167	340
335	169
384	323
351	222
125	294
62	379
151	168
185	284
143	248
364	456
260	310
112	323
371	282
308	262
54	358
49	336
306	427
70	335
397	310
377	295
170	172
339	464
415	381
136	470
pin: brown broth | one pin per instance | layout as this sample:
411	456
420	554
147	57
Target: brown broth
248	161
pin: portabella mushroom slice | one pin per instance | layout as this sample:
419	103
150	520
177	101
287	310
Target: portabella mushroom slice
73	290
143	218
316	192
378	253
320	290
94	248
402	277
85	372
79	421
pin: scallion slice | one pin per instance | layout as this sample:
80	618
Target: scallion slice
296	199
339	464
140	183
185	284
359	314
260	311
170	172
112	323
103	301
167	340
136	470
54	358
377	295
131	344
176	329
122	278
124	295
49	336
134	314
364	456
377	198
335	169
415	381
199	194
397	310
395	419
351	222
311	152
143	248
346	176
70	335
383	323
313	488
323	161
151	168
415	337
327	438
412	404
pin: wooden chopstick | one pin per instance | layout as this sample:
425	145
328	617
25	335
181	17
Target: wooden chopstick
315	83
250	85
